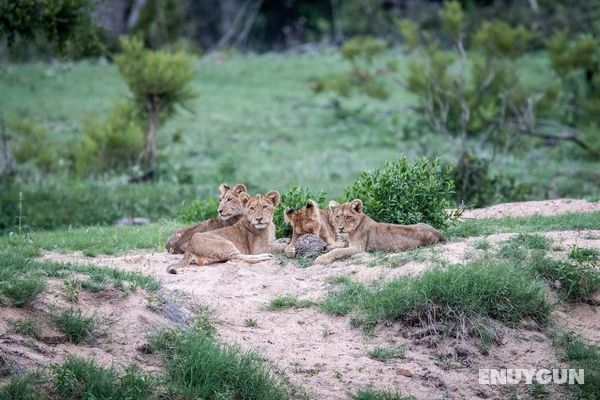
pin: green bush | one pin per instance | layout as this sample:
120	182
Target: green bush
406	193
295	197
30	142
112	144
78	379
197	210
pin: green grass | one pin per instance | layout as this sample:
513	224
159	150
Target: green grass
198	367
387	353
73	323
574	350
397	260
456	295
26	326
284	301
17	267
21	291
374	394
21	388
78	378
583	254
535	223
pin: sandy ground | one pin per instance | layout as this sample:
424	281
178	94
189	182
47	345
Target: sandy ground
542	207
323	353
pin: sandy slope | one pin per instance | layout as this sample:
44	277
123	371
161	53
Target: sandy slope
321	352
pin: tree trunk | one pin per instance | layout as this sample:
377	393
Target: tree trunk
148	154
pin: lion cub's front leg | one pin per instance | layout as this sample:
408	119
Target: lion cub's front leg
334	254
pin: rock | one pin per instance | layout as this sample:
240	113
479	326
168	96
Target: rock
404	372
309	244
129	221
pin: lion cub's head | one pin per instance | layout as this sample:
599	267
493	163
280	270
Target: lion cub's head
305	219
229	202
259	209
348	216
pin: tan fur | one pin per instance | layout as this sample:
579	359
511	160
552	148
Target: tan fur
247	240
229	212
311	220
365	234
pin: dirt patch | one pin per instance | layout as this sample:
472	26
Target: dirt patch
326	355
527	208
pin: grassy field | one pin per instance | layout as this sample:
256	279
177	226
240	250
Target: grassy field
257	121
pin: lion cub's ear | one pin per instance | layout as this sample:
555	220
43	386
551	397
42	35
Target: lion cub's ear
239	188
273	196
244	198
334	206
356	205
224	188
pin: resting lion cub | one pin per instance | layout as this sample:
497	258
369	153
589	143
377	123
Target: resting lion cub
365	234
247	240
229	212
311	219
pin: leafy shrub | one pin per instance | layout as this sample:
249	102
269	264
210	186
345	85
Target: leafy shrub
30	142
406	193
360	52
197	210
77	379
295	197
112	144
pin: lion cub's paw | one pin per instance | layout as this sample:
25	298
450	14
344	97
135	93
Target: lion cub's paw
290	251
323	259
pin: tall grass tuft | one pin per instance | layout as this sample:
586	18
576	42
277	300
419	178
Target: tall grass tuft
75	324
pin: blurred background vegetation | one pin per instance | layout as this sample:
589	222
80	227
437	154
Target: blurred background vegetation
120	108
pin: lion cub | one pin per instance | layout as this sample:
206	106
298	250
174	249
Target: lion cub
365	234
229	212
247	240
311	219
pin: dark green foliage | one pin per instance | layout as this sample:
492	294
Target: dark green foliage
580	355
85	203
584	254
64	24
362	77
75	324
459	294
406	193
476	186
29	142
78	379
20	388
296	197
197	210
199	367
374	394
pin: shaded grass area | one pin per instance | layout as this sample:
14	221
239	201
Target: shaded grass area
21	279
459	295
534	223
91	240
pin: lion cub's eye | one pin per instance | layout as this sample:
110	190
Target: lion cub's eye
229	199
264	207
347	217
251	208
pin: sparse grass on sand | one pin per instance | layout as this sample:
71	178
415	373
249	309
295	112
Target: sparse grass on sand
288	301
73	323
374	394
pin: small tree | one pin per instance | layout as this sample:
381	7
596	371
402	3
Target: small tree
159	81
